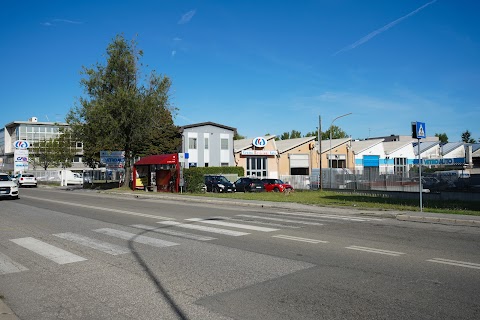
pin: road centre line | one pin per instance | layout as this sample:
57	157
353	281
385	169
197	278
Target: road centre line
204	228
105	247
281	220
281	236
373	250
48	251
233	225
456	263
7	265
101	208
180	234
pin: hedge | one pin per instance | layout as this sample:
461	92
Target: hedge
194	180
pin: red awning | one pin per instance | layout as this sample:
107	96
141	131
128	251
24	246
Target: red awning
158	159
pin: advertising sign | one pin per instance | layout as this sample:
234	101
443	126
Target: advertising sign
259	142
21	144
20	157
113	159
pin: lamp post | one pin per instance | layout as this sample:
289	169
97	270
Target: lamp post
330	152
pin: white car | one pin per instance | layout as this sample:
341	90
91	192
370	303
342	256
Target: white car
8	188
26	179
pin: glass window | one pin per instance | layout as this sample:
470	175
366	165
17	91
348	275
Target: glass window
192	143
206	143
224	144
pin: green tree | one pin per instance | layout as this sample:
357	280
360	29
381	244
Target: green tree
467	137
122	111
42	154
442	137
337	133
238	136
64	149
290	135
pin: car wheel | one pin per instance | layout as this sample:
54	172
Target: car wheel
215	190
276	189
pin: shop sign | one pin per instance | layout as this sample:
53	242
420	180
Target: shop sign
259	142
259	153
445	161
21	144
113	159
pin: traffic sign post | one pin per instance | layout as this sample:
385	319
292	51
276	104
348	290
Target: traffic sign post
419	132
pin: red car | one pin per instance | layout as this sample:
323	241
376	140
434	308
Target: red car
276	185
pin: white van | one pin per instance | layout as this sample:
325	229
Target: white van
71	177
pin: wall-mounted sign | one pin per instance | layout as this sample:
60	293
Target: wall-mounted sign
259	153
444	161
21	144
259	142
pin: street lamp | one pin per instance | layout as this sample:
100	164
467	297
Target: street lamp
330	152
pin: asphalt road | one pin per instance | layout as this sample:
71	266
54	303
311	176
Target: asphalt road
85	255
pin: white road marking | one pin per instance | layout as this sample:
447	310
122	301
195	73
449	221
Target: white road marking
299	239
7	265
133	237
48	251
281	220
456	263
204	228
233	225
373	250
328	216
138	214
93	243
173	232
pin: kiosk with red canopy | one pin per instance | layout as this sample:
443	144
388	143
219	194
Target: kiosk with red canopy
159	173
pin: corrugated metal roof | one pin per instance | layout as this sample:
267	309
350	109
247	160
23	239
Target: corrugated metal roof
424	146
335	143
242	144
449	147
285	145
362	145
392	146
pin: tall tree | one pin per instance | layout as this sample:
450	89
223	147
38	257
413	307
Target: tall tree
467	137
442	137
290	135
337	133
122	111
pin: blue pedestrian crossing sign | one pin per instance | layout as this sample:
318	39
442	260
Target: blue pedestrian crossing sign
421	133
418	130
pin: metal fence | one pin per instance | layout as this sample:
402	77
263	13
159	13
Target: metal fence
454	181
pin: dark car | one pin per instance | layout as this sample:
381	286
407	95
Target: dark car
249	185
276	185
218	184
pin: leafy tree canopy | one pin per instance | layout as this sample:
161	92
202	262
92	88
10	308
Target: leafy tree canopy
467	137
442	137
123	111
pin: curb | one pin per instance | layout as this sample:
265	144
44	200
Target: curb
448	221
6	313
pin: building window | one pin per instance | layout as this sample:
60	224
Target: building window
400	167
77	159
224	144
206	164
224	164
79	145
257	166
206	143
192	143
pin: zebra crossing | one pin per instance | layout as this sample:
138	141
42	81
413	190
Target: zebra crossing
236	226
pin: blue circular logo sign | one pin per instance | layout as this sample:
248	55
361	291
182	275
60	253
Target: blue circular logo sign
21	144
259	142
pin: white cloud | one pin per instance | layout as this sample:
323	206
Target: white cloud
187	17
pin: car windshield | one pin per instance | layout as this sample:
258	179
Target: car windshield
27	175
221	179
4	178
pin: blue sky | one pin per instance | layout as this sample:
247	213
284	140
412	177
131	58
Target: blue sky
259	66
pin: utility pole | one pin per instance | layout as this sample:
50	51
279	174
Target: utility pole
320	185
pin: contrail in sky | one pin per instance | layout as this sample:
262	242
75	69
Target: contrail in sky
382	29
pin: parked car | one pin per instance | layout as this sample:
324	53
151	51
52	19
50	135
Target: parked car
218	183
8	188
276	185
26	179
249	185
